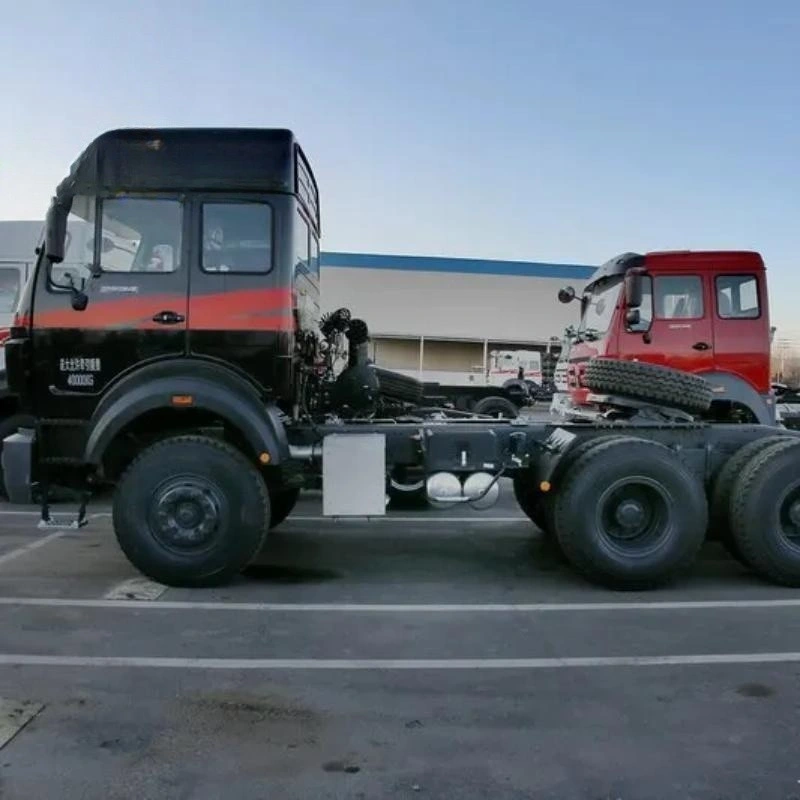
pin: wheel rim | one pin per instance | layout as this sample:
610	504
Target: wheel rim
186	514
789	516
633	515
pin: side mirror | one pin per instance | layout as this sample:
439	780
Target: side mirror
566	295
633	289
79	300
55	231
632	317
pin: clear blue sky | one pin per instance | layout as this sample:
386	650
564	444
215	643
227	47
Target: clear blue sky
566	131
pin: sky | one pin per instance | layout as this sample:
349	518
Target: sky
565	131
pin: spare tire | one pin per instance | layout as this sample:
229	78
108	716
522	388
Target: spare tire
398	386
650	383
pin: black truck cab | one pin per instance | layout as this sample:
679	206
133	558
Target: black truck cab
170	256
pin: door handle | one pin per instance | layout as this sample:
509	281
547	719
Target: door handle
701	346
168	317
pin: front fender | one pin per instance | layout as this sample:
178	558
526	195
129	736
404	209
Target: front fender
725	386
259	423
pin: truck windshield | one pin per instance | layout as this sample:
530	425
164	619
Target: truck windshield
598	308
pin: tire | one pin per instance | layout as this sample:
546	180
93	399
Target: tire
647	480
223	500
281	504
531	500
537	505
398	386
719	524
496	407
765	513
650	383
8	426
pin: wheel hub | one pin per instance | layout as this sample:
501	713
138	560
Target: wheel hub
630	514
633	513
186	515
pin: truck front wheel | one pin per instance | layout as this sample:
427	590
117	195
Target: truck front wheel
191	511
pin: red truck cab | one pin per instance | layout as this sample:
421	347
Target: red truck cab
704	312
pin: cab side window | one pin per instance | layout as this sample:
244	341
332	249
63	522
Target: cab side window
302	252
314	262
140	235
678	296
237	237
737	297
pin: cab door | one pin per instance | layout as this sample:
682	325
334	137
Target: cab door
128	255
240	304
741	327
675	327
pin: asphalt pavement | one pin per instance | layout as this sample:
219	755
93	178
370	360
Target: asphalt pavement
431	654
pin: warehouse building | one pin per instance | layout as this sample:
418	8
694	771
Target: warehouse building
438	318
441	318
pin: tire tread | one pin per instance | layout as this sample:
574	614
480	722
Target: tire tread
649	383
224	573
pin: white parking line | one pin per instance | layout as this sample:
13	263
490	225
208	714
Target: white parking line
35	545
400	608
27	660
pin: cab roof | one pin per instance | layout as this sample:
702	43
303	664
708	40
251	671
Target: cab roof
694	259
176	159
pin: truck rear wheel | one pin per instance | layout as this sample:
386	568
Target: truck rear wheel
496	407
765	512
531	500
538	505
629	514
650	383
191	511
282	503
719	525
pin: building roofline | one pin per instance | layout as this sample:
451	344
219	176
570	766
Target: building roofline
530	269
